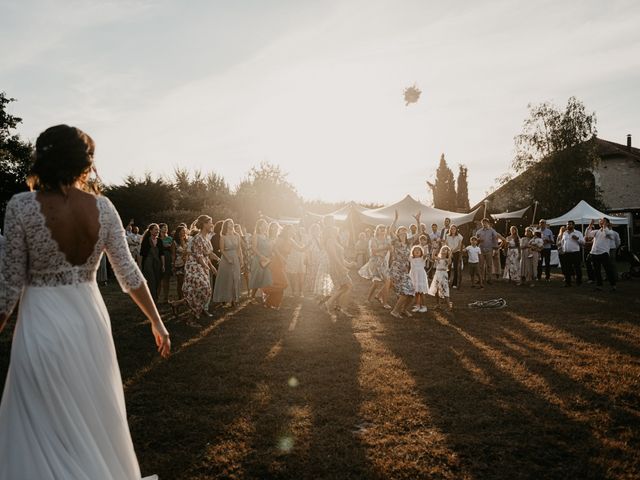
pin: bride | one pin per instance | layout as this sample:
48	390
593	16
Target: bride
62	413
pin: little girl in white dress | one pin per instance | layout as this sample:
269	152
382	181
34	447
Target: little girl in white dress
418	276
440	284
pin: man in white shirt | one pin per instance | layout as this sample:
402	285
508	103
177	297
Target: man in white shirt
545	254
572	240
434	236
613	248
588	243
600	255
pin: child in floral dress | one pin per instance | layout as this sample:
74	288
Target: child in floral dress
440	284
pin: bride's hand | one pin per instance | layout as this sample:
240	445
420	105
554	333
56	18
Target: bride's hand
163	342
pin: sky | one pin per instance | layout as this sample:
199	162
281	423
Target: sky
316	87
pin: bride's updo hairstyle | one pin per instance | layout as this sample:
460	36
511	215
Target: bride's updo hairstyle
63	156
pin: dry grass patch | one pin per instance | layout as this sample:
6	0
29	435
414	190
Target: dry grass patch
546	388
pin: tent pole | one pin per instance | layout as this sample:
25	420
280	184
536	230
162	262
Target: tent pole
535	209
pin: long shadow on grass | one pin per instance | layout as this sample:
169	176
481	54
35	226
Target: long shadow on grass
184	406
602	330
260	397
601	400
306	431
480	398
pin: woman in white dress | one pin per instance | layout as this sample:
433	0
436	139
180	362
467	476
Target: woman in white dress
62	414
320	277
512	254
377	268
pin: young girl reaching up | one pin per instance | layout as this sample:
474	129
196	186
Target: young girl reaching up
418	276
440	284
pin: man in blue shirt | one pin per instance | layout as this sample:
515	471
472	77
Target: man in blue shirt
548	241
487	239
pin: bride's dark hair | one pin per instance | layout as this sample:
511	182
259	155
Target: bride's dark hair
62	156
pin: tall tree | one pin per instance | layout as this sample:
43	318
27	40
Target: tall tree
558	151
444	188
266	190
15	156
462	195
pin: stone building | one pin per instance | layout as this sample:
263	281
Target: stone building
616	175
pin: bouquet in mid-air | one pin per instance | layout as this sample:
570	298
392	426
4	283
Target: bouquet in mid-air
411	94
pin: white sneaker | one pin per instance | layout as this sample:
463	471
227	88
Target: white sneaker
415	309
423	309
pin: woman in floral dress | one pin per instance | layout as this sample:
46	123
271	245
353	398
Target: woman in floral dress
399	272
439	287
179	257
512	262
376	269
197	287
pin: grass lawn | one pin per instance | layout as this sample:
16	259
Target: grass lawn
547	387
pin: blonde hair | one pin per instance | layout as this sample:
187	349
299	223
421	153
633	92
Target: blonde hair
260	223
446	249
275	225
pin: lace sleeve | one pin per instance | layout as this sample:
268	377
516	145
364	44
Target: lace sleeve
13	259
115	244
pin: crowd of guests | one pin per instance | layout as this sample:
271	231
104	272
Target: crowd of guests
214	262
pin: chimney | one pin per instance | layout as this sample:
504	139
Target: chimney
629	141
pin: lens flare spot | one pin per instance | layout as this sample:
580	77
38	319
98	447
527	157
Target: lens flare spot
293	382
285	444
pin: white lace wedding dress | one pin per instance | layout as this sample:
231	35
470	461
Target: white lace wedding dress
62	414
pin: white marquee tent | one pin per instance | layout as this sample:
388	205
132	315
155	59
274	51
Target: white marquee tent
407	208
510	215
583	213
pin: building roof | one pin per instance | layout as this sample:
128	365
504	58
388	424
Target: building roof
606	150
